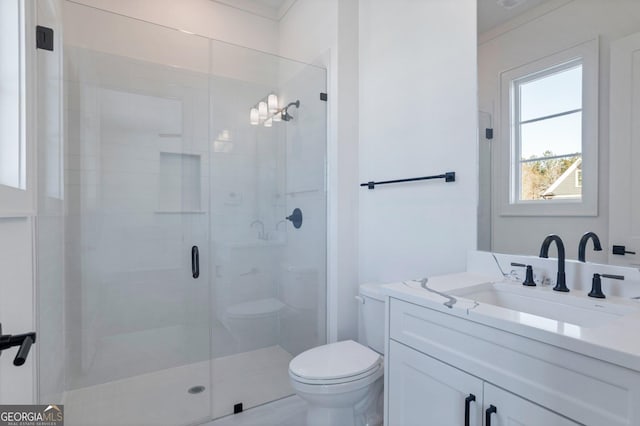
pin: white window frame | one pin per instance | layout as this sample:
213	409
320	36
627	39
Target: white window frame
16	202
587	54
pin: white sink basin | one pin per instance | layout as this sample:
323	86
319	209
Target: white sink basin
534	304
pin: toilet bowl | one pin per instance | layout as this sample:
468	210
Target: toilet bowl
342	382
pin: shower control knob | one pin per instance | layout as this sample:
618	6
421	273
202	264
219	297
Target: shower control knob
296	218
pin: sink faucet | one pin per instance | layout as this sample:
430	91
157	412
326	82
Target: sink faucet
582	247
261	234
561	284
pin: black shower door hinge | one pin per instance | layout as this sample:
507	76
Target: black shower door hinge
488	133
44	38
323	96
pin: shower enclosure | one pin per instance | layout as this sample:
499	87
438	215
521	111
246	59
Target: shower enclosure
171	287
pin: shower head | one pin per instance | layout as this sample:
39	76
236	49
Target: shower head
285	111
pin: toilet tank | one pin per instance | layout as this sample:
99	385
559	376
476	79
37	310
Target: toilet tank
371	317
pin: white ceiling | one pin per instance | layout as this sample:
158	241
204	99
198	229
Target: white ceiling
271	9
491	15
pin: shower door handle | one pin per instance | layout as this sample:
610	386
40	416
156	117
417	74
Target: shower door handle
195	262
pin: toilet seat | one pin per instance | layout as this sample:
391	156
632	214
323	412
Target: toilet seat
335	363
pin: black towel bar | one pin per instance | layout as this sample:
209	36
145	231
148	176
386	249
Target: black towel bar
448	177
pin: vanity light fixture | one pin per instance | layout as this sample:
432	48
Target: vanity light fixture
272	103
267	111
254	116
263	111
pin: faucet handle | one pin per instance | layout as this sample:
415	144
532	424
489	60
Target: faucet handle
528	280
596	284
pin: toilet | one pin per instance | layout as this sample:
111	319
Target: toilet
342	382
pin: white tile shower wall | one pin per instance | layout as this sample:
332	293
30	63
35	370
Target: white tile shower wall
418	114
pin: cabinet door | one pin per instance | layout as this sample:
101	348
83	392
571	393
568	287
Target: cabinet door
513	410
423	391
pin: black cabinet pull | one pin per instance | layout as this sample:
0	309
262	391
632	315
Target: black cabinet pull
467	406
195	262
487	419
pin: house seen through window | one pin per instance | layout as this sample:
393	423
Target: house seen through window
547	134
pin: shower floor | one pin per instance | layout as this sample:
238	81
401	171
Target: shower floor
162	397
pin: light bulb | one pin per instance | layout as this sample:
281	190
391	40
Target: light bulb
268	122
254	116
262	110
272	101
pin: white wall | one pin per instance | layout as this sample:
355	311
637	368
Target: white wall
330	33
418	114
533	36
16	300
202	17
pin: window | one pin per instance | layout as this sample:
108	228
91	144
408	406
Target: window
18	126
549	134
12	141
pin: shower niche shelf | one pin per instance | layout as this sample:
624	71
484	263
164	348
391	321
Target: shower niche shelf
179	187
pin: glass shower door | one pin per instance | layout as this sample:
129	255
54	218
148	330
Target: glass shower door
267	125
184	290
136	287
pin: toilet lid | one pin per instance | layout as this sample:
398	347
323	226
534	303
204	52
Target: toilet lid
255	308
335	361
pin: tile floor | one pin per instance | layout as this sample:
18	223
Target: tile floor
291	411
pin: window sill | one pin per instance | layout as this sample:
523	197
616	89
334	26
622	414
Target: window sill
550	208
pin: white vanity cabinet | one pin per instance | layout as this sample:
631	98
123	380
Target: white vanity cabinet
435	360
426	391
513	410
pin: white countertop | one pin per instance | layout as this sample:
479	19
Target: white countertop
616	341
